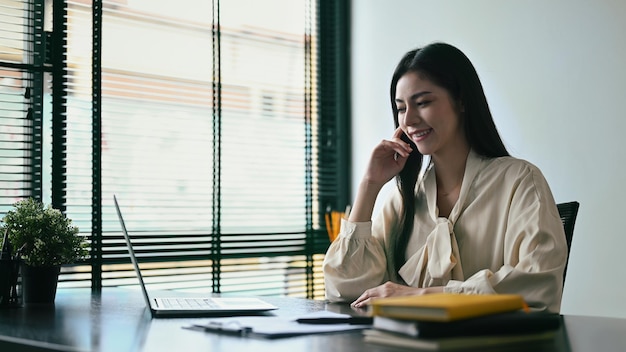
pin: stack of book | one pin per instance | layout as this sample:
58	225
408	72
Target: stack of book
458	321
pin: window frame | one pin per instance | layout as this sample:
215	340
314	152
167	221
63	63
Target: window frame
330	142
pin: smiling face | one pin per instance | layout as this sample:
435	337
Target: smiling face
428	116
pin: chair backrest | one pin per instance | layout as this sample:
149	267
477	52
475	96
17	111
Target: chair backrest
568	212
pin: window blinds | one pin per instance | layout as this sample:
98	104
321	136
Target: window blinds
167	148
201	116
21	93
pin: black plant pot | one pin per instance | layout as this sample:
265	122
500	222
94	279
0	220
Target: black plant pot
39	283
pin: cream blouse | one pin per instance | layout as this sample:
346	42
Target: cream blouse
504	235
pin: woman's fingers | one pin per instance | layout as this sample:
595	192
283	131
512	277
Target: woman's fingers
385	290
401	147
389	289
388	158
393	147
398	133
362	301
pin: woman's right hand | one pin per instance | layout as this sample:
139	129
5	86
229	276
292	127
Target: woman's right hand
387	159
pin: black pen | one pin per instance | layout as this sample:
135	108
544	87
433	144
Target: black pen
229	328
350	320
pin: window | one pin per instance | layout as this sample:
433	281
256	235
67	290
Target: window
201	116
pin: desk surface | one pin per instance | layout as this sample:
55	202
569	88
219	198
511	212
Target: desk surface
116	320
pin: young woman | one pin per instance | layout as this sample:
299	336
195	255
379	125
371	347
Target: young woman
472	220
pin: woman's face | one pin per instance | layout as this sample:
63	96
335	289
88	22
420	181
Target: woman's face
428	116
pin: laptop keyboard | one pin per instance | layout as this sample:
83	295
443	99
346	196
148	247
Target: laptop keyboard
188	303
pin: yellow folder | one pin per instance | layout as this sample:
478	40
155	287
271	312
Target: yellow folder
446	306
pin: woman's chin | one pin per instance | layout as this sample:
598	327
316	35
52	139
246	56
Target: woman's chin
424	150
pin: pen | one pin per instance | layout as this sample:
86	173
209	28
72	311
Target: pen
227	329
351	320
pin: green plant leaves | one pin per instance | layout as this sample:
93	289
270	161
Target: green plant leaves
43	235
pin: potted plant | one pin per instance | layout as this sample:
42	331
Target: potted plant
43	239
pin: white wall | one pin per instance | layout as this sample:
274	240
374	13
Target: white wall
554	72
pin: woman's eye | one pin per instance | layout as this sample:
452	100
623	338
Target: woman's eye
423	102
401	110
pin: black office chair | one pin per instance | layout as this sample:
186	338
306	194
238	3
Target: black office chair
568	212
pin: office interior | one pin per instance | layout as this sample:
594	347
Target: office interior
554	78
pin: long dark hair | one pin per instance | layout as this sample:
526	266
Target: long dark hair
447	67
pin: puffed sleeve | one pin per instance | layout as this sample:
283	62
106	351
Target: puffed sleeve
358	260
534	248
354	262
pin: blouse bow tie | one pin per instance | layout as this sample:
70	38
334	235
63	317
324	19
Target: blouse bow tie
436	261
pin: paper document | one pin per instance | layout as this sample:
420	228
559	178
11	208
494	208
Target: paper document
277	326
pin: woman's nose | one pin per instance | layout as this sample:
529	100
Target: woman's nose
412	116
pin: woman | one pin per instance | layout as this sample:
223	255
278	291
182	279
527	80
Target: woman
472	220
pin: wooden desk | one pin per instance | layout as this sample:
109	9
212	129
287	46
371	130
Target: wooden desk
116	320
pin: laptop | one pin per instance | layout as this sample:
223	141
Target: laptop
192	306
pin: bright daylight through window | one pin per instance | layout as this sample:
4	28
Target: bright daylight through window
200	115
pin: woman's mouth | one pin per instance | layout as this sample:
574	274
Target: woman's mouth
419	135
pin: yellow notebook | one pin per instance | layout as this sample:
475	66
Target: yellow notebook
446	306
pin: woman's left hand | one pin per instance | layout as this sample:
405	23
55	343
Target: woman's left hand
389	289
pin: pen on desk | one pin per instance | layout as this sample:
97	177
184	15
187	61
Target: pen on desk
351	320
229	328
